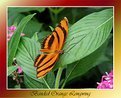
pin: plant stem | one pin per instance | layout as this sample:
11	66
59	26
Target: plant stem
57	81
46	83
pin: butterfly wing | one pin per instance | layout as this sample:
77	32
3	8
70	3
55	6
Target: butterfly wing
44	63
56	40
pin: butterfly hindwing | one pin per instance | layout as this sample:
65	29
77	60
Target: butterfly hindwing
45	63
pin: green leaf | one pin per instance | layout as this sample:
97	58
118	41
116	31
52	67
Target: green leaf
17	86
11	69
13	44
81	67
35	36
31	28
32	83
28	49
51	28
86	35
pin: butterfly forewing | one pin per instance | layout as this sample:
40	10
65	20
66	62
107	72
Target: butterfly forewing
56	40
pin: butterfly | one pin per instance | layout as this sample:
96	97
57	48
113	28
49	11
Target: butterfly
51	48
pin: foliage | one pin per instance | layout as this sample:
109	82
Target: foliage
85	49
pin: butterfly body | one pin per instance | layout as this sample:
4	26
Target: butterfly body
51	48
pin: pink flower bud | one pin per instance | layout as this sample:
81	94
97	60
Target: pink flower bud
11	28
20	70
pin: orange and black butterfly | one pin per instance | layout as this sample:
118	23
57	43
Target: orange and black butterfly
51	48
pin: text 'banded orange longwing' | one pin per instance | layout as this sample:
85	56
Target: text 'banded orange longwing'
51	48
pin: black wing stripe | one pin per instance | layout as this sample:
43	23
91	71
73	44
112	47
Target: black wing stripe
66	23
46	62
44	56
43	43
36	59
47	67
57	36
50	41
64	31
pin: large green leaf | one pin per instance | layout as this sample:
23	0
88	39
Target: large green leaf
32	83
13	44
86	35
28	49
82	66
